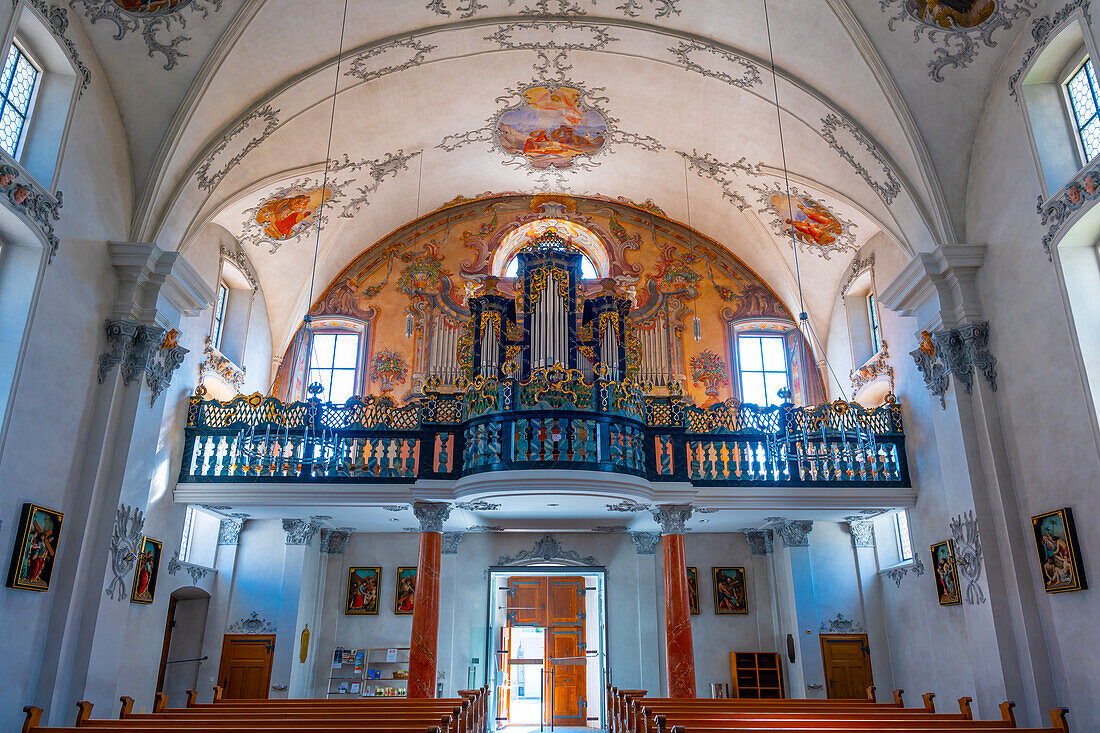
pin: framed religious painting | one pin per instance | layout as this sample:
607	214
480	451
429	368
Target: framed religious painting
406	591
144	587
362	595
1059	552
32	557
730	595
946	572
693	589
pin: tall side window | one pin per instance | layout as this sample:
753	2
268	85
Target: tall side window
1083	94
334	363
219	315
763	369
905	541
873	325
18	85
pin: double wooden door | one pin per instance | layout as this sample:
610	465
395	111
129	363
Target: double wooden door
555	604
245	671
847	661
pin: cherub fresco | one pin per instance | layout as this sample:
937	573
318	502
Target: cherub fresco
809	221
287	216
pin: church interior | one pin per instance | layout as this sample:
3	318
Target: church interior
493	366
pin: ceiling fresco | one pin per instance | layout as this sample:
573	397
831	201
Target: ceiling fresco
153	20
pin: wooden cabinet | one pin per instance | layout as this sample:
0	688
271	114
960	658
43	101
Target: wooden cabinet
756	675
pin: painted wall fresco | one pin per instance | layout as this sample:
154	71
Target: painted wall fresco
413	285
288	215
551	127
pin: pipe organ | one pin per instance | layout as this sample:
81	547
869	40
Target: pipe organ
549	321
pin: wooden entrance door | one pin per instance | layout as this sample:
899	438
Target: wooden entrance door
555	604
847	661
565	650
245	672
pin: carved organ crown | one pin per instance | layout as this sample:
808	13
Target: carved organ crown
548	322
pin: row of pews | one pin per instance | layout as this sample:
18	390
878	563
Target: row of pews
630	711
468	713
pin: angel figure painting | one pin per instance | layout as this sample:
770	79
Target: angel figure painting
362	597
290	214
730	595
406	591
947	575
551	128
144	587
809	221
1059	553
35	550
959	14
151	7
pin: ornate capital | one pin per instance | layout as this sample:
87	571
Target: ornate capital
300	531
672	517
333	541
137	348
162	365
229	533
794	533
957	352
450	542
645	543
933	367
760	541
863	531
431	514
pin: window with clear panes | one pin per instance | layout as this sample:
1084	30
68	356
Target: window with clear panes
333	363
219	316
1083	94
905	542
18	85
762	368
872	322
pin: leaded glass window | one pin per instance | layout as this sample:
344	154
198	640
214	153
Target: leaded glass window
17	85
1084	99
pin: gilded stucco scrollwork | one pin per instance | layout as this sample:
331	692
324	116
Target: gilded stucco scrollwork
724	174
546	549
261	123
27	199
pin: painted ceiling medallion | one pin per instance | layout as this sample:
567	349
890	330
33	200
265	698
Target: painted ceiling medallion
551	127
957	27
149	18
813	225
288	213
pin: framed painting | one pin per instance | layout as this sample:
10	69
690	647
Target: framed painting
1059	552
362	596
144	587
730	595
693	589
947	574
35	549
406	591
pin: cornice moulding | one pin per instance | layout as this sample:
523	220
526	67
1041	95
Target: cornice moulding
185	290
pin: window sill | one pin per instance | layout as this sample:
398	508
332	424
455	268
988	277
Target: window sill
908	564
217	363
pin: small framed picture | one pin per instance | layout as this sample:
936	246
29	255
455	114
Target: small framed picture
947	574
1059	554
144	588
730	595
32	557
693	589
362	595
406	591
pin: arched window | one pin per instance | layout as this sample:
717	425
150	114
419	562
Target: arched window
594	265
762	367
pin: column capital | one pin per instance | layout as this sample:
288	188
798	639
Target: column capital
672	517
450	542
300	531
794	533
862	531
333	541
229	532
645	543
431	514
761	541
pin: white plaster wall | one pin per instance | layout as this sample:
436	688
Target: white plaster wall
187	636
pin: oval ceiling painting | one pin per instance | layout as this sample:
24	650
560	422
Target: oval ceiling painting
151	7
287	215
551	128
959	14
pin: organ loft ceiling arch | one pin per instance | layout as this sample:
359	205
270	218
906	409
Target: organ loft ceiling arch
236	114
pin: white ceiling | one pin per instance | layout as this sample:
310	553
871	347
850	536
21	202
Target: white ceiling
247	109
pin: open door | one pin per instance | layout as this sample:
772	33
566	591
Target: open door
847	661
504	674
245	672
566	659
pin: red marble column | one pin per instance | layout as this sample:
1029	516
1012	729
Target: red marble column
425	621
679	651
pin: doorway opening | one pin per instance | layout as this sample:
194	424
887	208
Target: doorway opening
547	634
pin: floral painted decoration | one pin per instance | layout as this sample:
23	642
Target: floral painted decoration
388	368
706	365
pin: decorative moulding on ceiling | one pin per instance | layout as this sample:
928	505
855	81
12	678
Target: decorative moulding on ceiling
158	23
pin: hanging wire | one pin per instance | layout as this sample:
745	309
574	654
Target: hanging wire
696	329
803	316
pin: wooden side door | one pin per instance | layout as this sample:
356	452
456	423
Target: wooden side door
847	661
527	601
565	652
504	674
245	672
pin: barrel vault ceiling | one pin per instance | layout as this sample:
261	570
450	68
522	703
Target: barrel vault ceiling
227	102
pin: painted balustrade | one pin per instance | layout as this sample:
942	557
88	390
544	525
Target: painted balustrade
551	422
